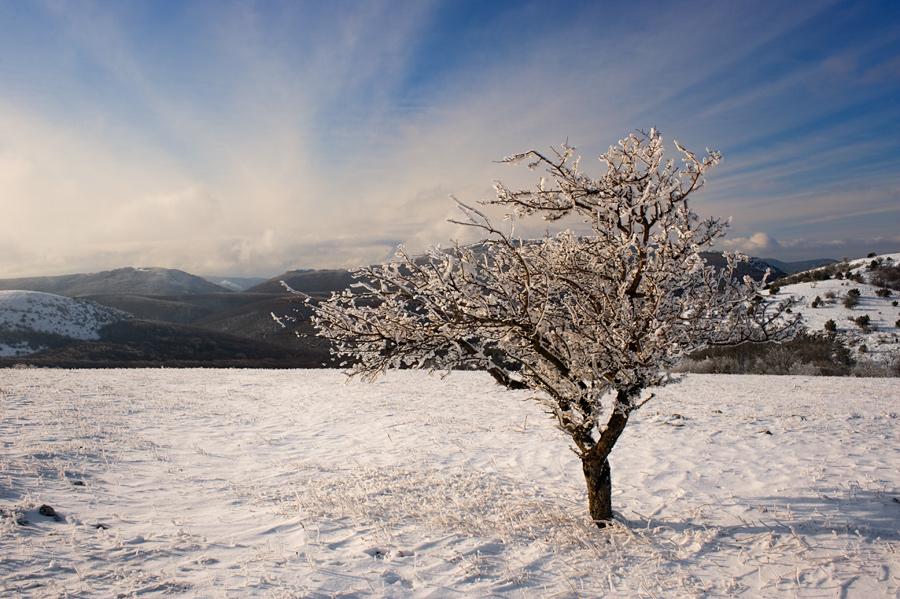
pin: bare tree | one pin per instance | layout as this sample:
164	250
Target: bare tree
587	321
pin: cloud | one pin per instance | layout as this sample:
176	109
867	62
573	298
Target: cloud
762	245
257	137
758	244
183	214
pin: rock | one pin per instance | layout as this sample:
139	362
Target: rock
46	510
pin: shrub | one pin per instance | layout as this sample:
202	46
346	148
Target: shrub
868	368
830	326
816	302
871	255
883	292
806	354
887	275
863	322
863	348
851	299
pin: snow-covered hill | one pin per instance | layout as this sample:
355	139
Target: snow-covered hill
880	340
28	318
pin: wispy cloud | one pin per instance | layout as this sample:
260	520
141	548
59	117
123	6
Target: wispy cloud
245	138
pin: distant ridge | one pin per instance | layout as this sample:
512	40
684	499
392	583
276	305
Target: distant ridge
790	268
307	281
131	281
754	267
236	283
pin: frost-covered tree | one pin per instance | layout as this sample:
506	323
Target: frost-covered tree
587	321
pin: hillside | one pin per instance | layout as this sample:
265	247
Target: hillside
128	281
31	321
851	314
146	343
827	300
311	282
180	309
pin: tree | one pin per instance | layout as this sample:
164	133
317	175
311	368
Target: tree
587	321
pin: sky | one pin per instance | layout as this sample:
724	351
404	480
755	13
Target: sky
249	138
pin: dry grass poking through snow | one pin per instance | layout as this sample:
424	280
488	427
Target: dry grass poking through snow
206	483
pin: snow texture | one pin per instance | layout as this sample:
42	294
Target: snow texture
251	483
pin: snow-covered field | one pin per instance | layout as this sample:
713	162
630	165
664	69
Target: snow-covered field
253	483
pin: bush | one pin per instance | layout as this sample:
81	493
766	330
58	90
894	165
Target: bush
805	354
851	299
883	292
830	326
863	322
886	275
816	302
868	368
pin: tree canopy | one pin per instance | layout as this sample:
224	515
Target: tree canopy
588	321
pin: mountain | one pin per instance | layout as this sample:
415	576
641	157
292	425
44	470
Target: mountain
311	282
754	267
131	281
179	309
165	317
236	283
790	268
31	321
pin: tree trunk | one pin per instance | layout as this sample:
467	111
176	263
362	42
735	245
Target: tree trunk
599	485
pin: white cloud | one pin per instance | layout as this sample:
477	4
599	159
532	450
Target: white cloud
758	244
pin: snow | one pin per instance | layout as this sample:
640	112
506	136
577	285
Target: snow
32	311
254	483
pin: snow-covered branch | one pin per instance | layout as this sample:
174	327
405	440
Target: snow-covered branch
589	321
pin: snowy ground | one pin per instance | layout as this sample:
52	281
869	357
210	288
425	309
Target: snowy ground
230	483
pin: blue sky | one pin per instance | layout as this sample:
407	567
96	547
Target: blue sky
247	138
